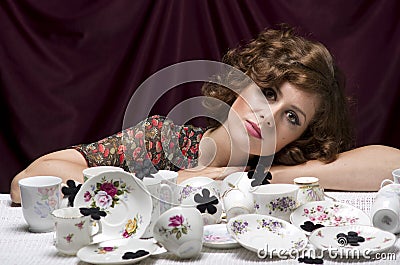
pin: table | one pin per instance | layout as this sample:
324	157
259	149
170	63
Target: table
18	246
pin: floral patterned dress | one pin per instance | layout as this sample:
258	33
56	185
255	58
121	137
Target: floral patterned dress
155	143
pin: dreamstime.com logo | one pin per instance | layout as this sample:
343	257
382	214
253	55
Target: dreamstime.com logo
339	252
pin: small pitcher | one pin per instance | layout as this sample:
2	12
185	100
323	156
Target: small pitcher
309	190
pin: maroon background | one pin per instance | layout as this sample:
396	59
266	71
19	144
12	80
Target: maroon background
69	68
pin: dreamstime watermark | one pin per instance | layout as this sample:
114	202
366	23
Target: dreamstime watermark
329	252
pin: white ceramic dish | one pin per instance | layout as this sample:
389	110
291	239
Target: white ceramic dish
376	240
217	236
329	213
275	236
125	199
111	251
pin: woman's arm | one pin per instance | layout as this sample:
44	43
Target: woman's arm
361	169
66	164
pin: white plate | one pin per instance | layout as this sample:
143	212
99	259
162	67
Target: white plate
376	240
329	213
125	199
111	252
217	236
275	236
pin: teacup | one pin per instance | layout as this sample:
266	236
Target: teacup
153	185
180	231
94	171
204	194
40	195
73	230
396	178
168	189
236	196
385	213
309	190
278	200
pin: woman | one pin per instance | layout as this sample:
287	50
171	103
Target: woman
295	99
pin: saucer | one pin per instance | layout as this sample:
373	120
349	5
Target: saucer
111	252
329	213
376	240
217	236
124	198
274	236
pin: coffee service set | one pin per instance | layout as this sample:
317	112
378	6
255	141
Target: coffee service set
146	214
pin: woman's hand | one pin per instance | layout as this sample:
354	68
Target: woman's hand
216	173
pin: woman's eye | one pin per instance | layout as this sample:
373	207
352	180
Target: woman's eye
293	118
270	94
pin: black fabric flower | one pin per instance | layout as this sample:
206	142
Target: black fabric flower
71	191
260	178
206	202
134	255
143	169
95	213
310	226
309	260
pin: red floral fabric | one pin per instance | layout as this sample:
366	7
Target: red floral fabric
156	139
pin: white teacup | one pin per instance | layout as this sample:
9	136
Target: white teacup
200	192
180	231
40	195
153	185
396	178
278	200
73	230
94	171
168	189
385	213
309	190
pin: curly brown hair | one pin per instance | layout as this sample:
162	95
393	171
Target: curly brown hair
281	55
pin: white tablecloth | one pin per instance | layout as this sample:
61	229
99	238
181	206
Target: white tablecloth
18	246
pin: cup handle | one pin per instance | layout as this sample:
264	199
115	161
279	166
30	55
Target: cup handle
326	195
165	188
386	181
99	229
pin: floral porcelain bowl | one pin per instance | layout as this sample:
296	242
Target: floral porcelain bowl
329	213
267	235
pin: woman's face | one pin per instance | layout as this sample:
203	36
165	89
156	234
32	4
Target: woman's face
263	121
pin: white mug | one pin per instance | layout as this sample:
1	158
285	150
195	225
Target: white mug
385	213
396	178
278	200
73	230
168	189
94	171
180	231
40	195
153	186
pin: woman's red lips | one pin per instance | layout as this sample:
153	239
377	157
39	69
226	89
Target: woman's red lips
253	129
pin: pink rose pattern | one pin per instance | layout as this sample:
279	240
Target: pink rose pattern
176	226
106	193
328	216
49	200
167	145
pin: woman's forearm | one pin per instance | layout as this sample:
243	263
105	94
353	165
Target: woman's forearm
361	169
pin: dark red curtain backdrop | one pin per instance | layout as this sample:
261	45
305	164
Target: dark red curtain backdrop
69	68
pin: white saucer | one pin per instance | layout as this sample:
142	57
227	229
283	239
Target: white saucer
376	240
128	214
274	236
329	213
111	252
217	236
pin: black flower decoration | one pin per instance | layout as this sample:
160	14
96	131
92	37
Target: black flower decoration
260	178
134	255
144	169
310	226
95	213
309	260
206	202
70	191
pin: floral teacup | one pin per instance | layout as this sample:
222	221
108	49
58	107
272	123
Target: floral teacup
204	194
180	231
309	190
278	200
